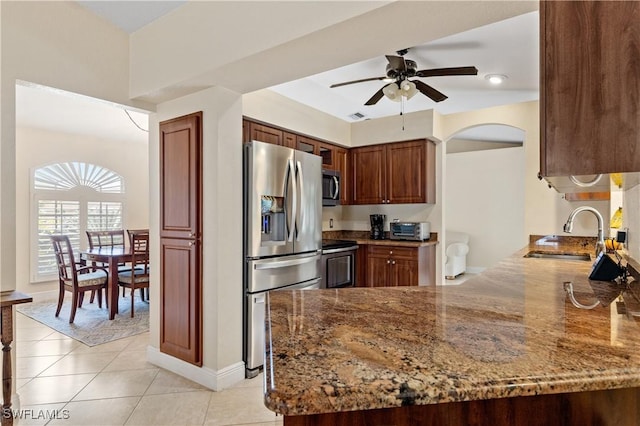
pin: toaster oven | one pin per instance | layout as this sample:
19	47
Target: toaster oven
411	231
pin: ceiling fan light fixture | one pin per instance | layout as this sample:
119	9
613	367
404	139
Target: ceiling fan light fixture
392	91
496	79
408	89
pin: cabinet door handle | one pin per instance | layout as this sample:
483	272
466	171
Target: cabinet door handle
388	261
393	262
390	251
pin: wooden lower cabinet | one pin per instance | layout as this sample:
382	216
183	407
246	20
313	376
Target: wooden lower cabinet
181	300
393	266
613	407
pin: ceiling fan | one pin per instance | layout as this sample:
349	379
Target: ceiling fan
400	70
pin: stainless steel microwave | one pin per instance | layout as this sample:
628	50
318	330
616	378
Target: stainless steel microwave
330	187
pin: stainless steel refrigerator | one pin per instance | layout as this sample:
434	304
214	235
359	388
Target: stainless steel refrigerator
282	233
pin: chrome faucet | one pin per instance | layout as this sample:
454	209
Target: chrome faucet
568	227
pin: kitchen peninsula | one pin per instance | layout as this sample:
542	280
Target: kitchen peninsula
508	347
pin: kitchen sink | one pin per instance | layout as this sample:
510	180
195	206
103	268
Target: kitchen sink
558	256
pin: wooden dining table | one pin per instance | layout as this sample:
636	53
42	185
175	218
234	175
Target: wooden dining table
112	256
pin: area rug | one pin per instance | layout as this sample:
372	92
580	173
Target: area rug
91	325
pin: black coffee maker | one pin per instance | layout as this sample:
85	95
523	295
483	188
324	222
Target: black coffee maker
377	226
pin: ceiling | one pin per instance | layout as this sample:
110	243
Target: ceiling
508	47
44	108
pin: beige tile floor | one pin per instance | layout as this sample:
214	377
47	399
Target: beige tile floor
113	384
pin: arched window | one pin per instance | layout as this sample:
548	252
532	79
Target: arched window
71	198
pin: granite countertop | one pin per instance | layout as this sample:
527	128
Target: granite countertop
510	331
363	238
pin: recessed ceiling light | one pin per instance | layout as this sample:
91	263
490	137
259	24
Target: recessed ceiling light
495	78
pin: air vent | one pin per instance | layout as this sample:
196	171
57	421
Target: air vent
356	116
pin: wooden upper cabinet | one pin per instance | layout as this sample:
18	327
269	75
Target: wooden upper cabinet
318	147
246	131
334	157
590	87
368	174
306	144
289	140
328	153
252	130
341	163
181	177
395	173
408	164
259	132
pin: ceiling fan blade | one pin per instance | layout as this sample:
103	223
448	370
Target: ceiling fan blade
357	81
429	91
397	62
437	72
375	98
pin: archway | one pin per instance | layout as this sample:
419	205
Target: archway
484	193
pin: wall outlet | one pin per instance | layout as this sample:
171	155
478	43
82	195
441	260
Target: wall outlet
331	223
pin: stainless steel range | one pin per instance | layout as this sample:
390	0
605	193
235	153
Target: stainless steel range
338	263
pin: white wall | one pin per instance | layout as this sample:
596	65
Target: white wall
485	199
545	210
222	236
271	107
60	45
36	148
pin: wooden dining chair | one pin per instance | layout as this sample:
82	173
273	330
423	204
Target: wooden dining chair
130	234
76	278
138	276
112	238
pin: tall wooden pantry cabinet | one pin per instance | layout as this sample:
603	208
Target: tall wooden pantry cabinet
181	238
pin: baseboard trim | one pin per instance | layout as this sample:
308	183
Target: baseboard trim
216	380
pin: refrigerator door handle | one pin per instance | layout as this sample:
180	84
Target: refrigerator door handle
294	194
300	218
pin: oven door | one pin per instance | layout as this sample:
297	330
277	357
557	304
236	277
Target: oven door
338	267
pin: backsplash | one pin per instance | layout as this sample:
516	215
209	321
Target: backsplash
356	218
631	220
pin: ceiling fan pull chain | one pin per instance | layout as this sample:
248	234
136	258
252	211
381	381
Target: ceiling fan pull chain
402	111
